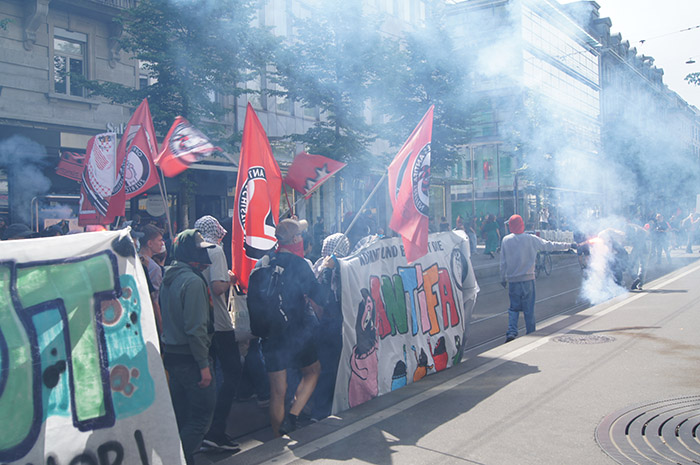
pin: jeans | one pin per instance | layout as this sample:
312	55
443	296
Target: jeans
522	299
226	351
193	405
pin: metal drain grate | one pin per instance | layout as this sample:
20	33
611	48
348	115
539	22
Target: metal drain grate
583	339
664	432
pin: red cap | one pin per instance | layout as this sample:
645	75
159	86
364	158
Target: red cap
516	224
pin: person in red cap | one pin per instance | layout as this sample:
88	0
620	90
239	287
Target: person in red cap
518	256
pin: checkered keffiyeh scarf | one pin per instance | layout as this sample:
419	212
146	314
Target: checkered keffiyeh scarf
337	244
210	228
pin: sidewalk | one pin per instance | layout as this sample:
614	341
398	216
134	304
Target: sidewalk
542	398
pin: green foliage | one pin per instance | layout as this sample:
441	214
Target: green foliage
333	64
425	70
693	78
192	50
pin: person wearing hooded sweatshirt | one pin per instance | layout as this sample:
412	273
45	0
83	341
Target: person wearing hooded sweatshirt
188	325
518	256
219	279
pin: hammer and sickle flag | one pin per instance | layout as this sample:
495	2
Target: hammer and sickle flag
257	200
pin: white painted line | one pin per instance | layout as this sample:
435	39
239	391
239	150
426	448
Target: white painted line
302	451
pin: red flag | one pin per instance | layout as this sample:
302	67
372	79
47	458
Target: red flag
409	183
98	180
183	146
257	200
71	165
139	148
308	172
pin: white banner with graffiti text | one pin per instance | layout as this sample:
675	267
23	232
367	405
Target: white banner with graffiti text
81	378
402	321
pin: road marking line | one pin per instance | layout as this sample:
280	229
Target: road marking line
302	451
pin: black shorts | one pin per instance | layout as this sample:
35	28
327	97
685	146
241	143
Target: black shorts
288	352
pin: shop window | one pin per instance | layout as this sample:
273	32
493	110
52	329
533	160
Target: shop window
69	51
4	194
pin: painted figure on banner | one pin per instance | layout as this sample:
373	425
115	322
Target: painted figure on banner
363	382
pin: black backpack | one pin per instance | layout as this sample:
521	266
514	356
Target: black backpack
267	316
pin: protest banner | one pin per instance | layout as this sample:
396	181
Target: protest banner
400	321
81	378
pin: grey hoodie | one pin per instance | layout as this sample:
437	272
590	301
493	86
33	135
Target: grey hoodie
519	252
187	313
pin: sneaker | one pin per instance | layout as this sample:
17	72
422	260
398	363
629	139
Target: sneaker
287	426
635	284
510	338
222	442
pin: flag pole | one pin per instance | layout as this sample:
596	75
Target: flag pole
371	194
164	196
292	207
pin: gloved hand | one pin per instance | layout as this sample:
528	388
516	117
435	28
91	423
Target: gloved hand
504	284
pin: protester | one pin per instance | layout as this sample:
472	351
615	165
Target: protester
659	229
329	337
489	231
187	333
225	345
444	224
638	238
690	226
16	231
518	255
294	346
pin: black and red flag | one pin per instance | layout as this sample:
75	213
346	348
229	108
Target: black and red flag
98	182
139	148
409	185
183	145
257	200
308	172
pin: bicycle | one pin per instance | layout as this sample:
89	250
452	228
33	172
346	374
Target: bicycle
543	263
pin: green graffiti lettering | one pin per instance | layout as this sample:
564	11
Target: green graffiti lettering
395	303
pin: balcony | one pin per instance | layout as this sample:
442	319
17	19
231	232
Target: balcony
117	3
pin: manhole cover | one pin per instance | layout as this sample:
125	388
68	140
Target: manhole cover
663	432
583	339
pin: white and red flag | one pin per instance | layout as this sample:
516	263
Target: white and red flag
183	145
409	184
139	148
308	172
257	200
98	181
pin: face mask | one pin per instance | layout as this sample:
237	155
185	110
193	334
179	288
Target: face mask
297	248
162	249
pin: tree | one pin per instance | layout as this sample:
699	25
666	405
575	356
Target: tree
331	63
192	51
427	71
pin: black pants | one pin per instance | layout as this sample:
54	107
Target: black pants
226	352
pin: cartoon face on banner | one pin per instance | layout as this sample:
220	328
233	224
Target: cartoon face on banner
80	375
189	144
255	215
402	322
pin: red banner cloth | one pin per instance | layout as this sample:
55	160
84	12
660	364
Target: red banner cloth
98	180
308	172
409	185
183	145
257	200
139	148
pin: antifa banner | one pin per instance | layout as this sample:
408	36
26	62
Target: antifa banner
257	200
99	180
82	377
183	145
139	149
402	321
409	185
308	172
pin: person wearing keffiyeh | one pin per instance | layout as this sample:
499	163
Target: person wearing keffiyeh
226	350
329	336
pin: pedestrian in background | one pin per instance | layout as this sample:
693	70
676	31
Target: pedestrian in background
489	231
518	256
